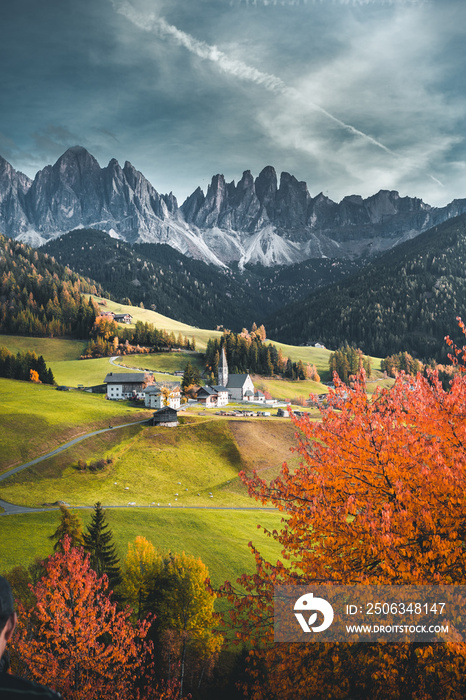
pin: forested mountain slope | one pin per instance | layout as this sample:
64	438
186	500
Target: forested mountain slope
408	299
38	296
190	290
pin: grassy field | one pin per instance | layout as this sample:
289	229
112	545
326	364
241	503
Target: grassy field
286	390
36	418
52	349
86	372
219	537
62	356
163	361
161	322
153	465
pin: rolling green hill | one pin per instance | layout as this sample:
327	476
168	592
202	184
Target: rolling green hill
219	537
149	462
36	418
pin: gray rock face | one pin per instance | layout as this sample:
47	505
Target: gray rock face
13	188
255	221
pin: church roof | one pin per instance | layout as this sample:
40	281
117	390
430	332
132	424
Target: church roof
218	387
236	381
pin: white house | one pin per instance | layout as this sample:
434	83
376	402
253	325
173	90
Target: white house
213	396
155	397
123	318
125	385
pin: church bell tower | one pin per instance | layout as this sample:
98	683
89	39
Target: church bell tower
223	370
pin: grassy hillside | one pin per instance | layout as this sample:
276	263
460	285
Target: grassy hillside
52	349
159	321
159	465
286	390
220	538
37	418
162	361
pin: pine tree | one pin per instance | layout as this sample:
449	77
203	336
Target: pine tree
188	376
98	541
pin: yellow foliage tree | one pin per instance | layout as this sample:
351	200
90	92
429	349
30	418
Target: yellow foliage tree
142	566
34	376
173	586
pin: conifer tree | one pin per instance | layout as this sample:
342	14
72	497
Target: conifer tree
188	376
98	541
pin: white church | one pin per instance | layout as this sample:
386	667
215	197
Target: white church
230	387
239	386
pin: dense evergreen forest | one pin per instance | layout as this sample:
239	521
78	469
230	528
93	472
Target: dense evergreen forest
246	352
189	290
407	299
26	366
40	297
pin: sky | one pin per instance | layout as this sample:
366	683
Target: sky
352	96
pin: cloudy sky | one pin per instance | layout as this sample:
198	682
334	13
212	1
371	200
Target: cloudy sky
349	95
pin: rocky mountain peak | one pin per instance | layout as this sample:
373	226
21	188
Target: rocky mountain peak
76	158
255	220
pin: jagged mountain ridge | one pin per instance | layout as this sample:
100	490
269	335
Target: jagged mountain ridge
256	221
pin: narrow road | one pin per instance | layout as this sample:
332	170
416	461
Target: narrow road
10	508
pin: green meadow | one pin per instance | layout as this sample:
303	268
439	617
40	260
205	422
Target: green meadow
220	538
286	390
196	464
36	418
52	349
162	362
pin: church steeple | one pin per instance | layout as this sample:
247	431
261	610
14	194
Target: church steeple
223	369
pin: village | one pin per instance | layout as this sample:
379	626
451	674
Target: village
166	397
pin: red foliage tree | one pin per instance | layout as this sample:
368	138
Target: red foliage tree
377	499
74	640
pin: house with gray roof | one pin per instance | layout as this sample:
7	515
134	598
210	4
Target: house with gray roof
213	396
127	385
158	396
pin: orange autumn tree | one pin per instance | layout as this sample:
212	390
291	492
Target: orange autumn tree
379	498
74	640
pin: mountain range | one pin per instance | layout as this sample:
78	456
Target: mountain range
258	221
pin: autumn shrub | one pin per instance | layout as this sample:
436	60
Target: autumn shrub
97	466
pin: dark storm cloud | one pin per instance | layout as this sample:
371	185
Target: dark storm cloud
351	96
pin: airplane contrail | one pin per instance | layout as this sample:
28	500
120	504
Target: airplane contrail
233	67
